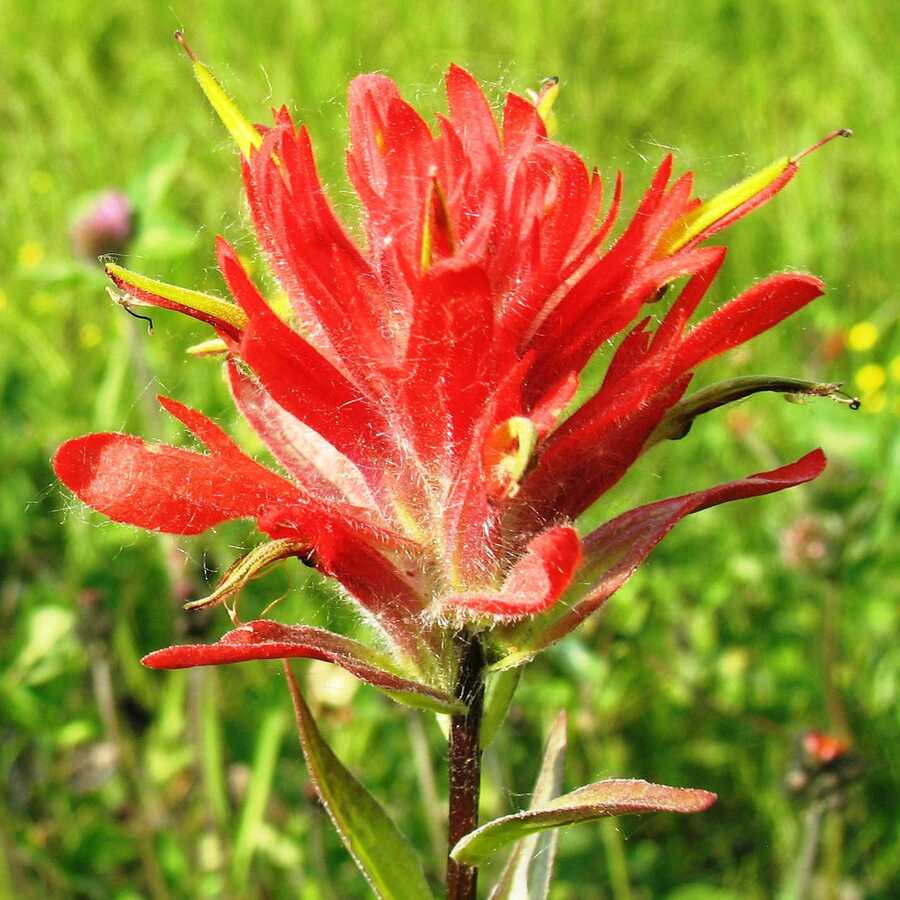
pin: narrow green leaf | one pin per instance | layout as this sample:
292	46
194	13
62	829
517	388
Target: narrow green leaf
615	797
381	852
260	786
213	762
679	419
527	873
501	688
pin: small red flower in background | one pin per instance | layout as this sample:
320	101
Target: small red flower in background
823	749
415	395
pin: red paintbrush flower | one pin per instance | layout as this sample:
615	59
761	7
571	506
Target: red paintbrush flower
415	394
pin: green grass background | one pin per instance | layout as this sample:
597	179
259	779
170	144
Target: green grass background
122	783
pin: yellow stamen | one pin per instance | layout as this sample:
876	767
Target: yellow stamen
195	300
246	568
244	134
689	226
437	224
697	221
212	347
546	98
506	454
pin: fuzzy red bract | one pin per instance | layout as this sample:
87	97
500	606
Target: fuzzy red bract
414	394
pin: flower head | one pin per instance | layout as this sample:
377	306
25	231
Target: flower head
416	393
105	225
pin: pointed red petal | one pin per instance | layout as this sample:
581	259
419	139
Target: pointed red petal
593	449
354	551
534	583
550	407
314	463
753	312
614	551
203	428
471	116
301	380
522	126
448	358
164	488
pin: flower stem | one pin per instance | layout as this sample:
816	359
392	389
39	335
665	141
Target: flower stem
464	763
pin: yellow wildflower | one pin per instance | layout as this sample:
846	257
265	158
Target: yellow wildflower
870	378
30	254
862	336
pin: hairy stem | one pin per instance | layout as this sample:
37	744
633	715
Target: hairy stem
464	764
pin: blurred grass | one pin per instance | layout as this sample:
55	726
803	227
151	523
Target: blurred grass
123	783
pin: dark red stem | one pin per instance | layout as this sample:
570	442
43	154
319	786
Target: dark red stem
464	764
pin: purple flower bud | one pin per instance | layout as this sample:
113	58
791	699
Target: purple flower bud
806	543
104	226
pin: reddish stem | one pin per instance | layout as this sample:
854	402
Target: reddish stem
464	764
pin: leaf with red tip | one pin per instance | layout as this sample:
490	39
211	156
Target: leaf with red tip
534	583
264	639
614	551
615	797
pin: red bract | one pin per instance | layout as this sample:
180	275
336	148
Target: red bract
414	394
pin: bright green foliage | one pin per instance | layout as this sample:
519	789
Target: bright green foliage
119	782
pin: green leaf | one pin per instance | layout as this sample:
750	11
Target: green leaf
679	419
381	852
615	797
268	744
165	159
527	873
501	687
